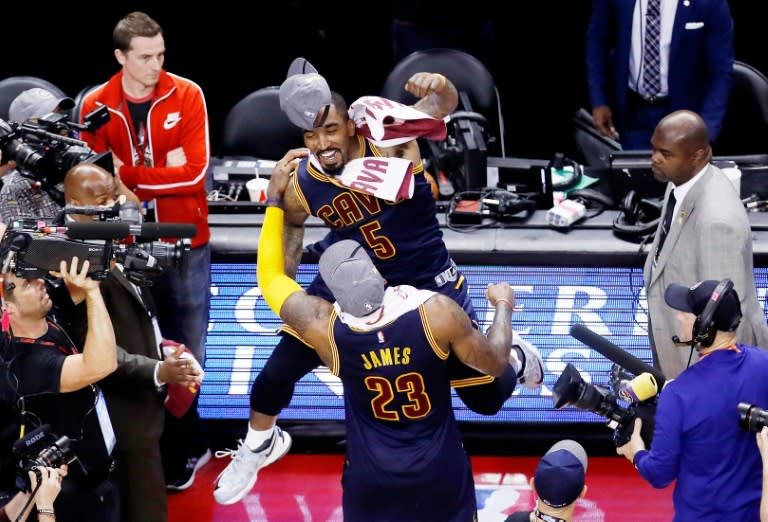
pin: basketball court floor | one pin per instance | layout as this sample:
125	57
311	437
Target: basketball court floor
306	487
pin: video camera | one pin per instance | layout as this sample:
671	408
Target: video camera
45	151
31	248
40	448
641	393
752	417
571	388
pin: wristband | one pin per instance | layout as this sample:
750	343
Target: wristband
502	300
274	202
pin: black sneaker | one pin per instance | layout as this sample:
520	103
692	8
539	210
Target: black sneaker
187	477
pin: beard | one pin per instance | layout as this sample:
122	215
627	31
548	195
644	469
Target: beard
334	164
334	169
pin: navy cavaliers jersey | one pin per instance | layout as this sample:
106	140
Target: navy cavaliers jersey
404	456
403	239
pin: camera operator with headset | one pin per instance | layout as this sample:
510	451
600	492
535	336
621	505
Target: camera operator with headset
36	190
697	439
23	195
51	381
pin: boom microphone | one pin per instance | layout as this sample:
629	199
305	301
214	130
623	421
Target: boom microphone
116	230
641	388
621	357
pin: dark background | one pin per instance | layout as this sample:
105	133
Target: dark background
234	48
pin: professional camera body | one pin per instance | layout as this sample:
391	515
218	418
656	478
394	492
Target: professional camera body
752	417
45	151
40	448
31	248
572	389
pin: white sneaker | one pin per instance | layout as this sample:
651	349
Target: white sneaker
531	374
239	477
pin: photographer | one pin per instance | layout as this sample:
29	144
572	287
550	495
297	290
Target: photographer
135	391
23	195
697	440
54	384
44	495
34	188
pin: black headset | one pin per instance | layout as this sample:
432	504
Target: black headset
471	116
448	155
592	198
637	216
558	162
704	327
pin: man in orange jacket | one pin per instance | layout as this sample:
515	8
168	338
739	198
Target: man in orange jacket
158	136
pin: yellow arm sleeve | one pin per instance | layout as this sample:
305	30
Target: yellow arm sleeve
270	268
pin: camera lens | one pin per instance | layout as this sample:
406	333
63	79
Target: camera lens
590	398
24	155
751	417
54	455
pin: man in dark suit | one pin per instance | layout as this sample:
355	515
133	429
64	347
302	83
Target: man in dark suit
647	58
134	392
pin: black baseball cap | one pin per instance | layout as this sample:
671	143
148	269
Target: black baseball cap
694	299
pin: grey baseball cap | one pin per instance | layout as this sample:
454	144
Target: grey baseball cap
352	278
36	103
305	96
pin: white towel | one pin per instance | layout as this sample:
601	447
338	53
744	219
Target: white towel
388	123
390	179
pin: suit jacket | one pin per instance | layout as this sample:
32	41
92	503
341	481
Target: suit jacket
135	403
710	238
700	58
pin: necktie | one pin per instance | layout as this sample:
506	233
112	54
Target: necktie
651	59
667	223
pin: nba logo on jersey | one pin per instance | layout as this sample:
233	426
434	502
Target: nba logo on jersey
381	338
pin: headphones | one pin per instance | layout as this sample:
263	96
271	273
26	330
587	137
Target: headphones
591	198
637	217
447	156
469	115
558	162
704	327
476	117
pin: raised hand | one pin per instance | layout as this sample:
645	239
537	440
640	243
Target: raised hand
77	281
423	83
281	174
500	291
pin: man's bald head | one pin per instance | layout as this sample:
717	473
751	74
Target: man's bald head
89	184
680	147
685	128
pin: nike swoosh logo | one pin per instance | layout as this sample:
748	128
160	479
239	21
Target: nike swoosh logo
171	121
